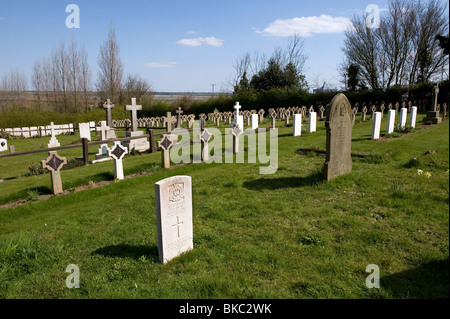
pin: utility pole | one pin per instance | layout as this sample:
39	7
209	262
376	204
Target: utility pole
213	85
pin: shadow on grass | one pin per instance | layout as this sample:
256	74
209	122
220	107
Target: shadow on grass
284	182
430	281
128	251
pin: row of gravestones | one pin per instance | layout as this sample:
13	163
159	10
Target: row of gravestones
173	195
40	131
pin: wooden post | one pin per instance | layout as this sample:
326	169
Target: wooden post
85	151
152	141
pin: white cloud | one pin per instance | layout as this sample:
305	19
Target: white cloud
306	26
160	64
196	42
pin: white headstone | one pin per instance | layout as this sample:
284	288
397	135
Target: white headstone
413	118
376	125
173	198
297	125
403	114
390	122
85	130
312	121
34	131
255	121
3	145
26	132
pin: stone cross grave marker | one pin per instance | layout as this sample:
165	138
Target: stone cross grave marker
205	137
433	115
273	117
53	141
133	108
236	131
165	143
321	110
364	112
339	138
108	106
173	199
238	119
168	122
117	152
53	163
179	113
102	151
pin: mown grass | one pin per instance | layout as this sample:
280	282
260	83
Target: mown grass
286	235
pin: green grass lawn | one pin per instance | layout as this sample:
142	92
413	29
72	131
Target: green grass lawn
285	235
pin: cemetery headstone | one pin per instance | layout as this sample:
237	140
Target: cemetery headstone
403	115
236	131
179	113
53	141
117	152
297	125
376	126
102	152
255	121
165	143
339	138
173	199
3	145
390	122
312	122
205	137
108	106
54	163
139	144
433	115
413	117
85	130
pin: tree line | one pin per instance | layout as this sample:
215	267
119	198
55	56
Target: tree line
408	47
62	81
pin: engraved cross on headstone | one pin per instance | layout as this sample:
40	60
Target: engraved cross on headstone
178	224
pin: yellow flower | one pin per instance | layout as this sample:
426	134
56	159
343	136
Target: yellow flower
419	172
428	174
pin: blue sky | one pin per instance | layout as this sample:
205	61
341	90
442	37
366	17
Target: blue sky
181	46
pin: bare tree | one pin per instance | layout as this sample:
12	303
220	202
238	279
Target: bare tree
403	50
13	87
74	73
86	78
135	86
111	68
37	80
